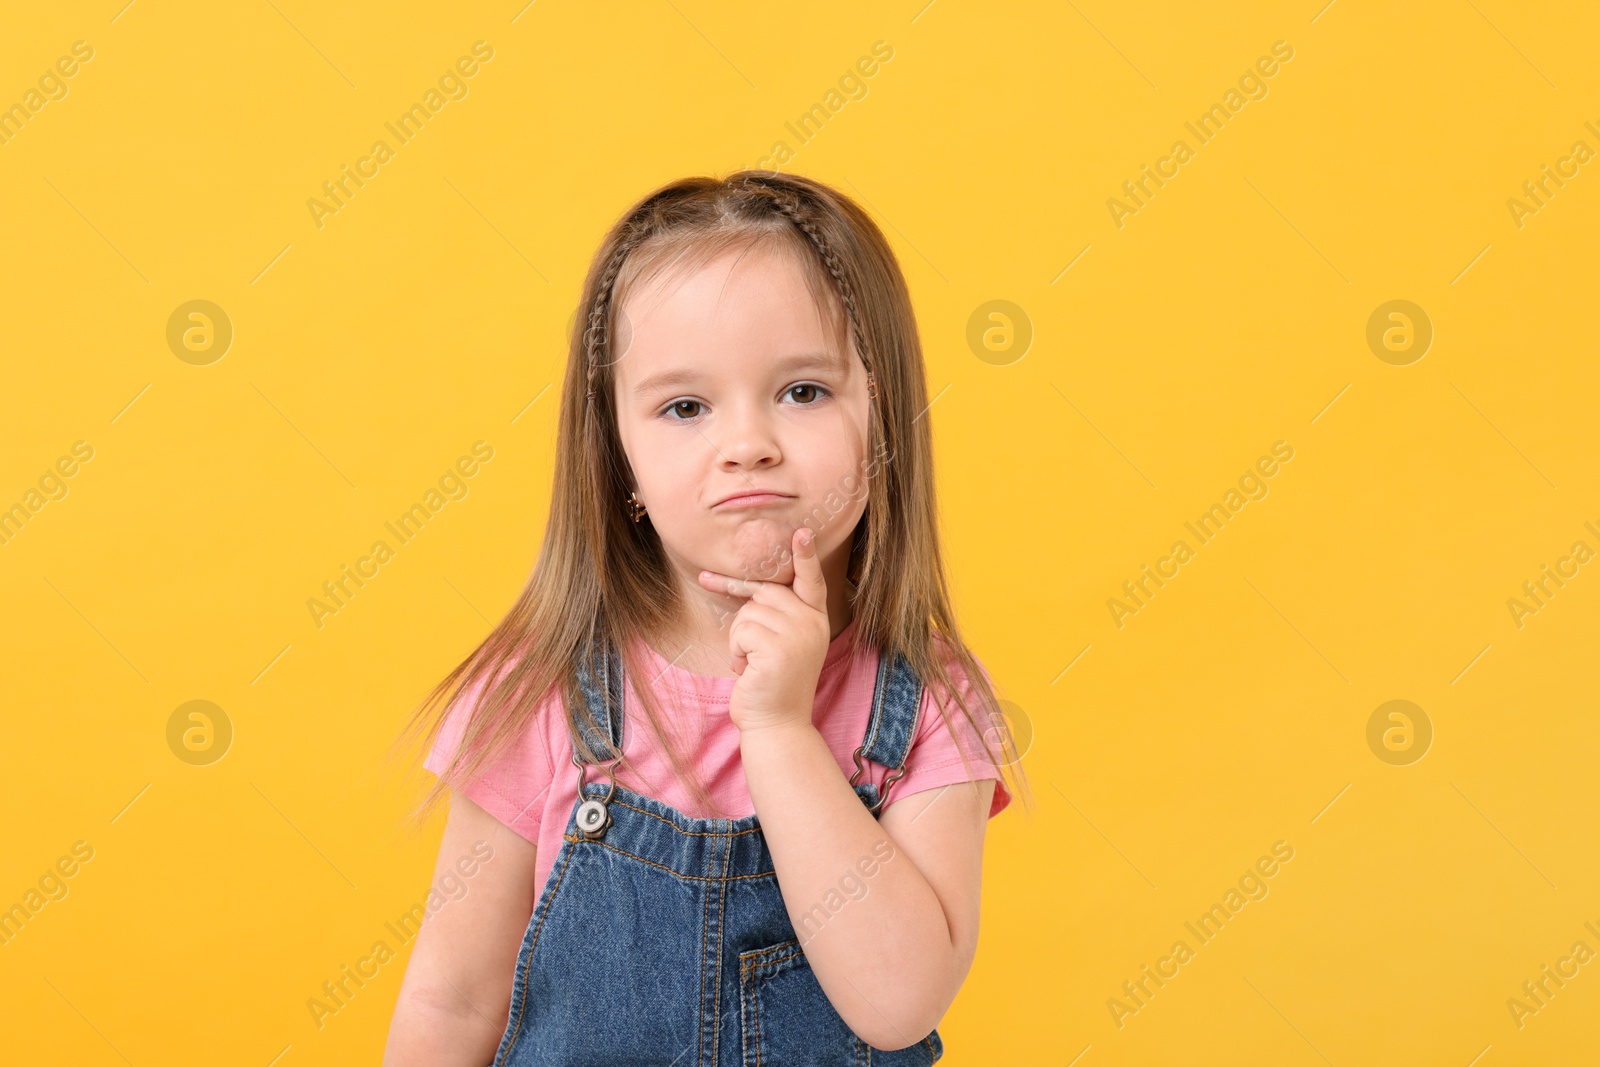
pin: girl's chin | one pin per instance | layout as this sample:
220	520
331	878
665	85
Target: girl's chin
758	550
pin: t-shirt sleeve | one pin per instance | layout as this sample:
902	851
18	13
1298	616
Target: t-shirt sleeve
512	787
935	761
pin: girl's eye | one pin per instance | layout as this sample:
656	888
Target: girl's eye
676	408
816	390
810	393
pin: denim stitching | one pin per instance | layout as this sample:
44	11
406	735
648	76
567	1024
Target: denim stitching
876	723
722	903
699	1009
688	833
669	870
528	971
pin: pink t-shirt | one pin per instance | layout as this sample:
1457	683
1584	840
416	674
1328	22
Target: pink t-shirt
534	787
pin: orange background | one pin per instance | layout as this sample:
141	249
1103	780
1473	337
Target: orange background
1164	356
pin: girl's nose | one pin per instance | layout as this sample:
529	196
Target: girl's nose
746	438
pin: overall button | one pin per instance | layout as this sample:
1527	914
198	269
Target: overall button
593	818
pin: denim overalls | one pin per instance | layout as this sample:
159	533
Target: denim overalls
662	939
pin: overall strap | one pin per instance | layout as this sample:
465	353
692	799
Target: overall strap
896	704
604	697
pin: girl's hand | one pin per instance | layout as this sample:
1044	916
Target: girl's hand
778	639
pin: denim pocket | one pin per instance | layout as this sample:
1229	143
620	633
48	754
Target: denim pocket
788	1020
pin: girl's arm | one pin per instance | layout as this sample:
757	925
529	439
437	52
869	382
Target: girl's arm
456	996
886	910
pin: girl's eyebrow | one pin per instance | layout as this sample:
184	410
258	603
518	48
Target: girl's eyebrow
658	383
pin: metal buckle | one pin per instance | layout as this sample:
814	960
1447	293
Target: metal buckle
593	815
883	794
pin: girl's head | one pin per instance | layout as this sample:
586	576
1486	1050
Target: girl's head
734	334
726	378
723	344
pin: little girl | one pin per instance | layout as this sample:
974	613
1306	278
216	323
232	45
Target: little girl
766	846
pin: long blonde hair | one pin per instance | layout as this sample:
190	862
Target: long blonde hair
601	577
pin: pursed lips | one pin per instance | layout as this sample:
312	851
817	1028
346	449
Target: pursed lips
755	498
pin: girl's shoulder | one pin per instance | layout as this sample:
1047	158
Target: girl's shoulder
530	753
515	785
951	746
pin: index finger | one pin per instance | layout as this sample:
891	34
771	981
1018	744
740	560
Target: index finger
718	582
759	591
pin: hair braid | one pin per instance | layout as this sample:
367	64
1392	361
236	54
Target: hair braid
788	205
602	305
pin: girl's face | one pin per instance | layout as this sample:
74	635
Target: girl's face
729	383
